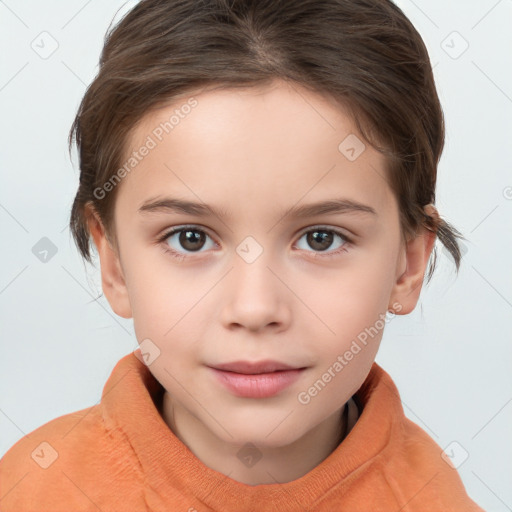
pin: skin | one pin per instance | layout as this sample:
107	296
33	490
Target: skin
256	153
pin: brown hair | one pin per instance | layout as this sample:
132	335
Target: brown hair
365	54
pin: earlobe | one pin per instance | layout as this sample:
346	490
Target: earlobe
407	288
112	275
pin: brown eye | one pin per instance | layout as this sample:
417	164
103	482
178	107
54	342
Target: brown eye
191	239
319	240
187	239
322	239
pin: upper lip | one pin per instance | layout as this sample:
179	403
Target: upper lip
249	367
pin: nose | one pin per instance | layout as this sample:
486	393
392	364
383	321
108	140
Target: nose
256	298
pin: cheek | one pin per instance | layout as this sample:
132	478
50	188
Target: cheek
353	306
352	297
171	304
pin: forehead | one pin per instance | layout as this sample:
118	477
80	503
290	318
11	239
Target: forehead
242	149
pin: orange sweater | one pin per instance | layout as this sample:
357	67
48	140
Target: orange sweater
120	455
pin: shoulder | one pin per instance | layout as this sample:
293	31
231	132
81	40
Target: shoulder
419	463
412	464
61	461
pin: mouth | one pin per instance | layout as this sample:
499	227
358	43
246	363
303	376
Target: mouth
261	379
256	367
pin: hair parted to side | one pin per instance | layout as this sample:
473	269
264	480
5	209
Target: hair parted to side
364	54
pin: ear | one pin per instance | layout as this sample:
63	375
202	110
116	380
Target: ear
112	275
411	269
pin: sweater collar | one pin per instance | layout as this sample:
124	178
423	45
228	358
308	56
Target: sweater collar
131	400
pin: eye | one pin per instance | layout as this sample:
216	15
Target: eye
181	241
321	238
189	238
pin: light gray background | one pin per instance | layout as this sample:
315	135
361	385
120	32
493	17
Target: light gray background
451	358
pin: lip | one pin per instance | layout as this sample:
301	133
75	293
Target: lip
256	379
254	367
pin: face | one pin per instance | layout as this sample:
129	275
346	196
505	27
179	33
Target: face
253	272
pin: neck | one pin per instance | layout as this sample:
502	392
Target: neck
254	465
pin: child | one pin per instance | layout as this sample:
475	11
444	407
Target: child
296	144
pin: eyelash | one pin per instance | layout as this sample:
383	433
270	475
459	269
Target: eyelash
181	257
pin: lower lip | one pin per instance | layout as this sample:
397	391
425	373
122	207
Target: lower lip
260	385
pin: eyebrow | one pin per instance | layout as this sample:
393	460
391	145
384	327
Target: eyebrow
331	206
